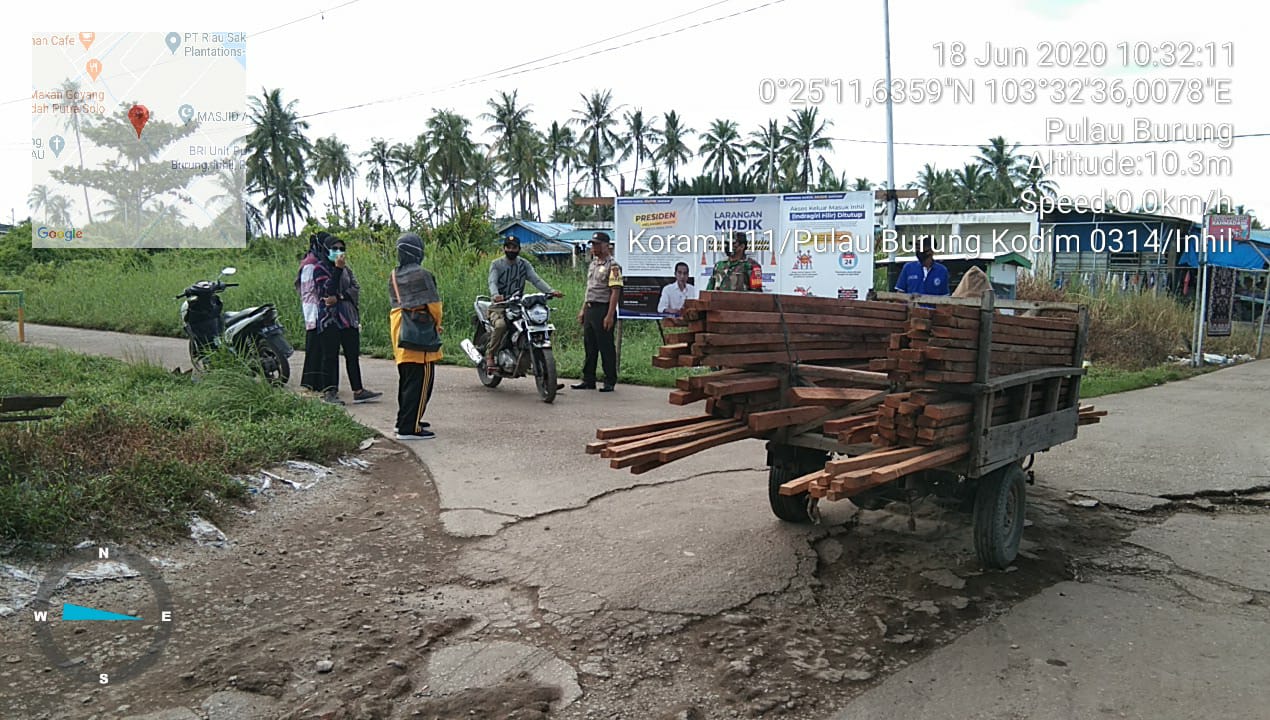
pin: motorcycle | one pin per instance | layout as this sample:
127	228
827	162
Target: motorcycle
526	347
253	333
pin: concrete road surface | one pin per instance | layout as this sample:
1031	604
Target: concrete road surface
1173	624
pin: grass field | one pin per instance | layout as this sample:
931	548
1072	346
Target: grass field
135	449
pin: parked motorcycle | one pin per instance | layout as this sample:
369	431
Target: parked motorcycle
253	333
526	347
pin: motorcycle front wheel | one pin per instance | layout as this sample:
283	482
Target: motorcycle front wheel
198	360
486	378
545	374
273	364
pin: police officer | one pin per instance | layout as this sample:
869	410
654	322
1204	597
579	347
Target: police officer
599	313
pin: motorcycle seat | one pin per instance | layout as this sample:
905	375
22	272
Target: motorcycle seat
231	316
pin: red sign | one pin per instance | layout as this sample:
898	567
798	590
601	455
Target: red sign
1225	229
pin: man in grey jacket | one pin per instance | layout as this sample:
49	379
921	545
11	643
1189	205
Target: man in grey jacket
507	276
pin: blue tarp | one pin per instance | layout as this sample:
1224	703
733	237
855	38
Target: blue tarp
1241	255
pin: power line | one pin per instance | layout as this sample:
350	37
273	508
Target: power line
481	79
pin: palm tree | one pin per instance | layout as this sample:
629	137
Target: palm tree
59	210
506	120
325	162
599	142
1005	167
528	162
485	183
722	149
39	197
1041	186
405	168
804	134
673	152
765	150
276	148
380	158
452	154
642	139
562	149
937	190
973	187
653	182
70	88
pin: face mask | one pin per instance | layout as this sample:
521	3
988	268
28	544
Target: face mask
334	255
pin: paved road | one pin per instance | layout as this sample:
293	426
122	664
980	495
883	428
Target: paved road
1186	642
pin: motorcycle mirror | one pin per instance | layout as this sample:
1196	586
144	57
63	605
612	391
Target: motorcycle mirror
229	271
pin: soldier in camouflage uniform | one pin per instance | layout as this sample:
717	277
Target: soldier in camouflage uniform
738	273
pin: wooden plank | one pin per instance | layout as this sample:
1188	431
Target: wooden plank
927	461
793	320
828	396
860	377
696	446
942	300
850	422
741	385
767	302
772	419
744	359
698	382
672	350
801	485
873	459
656	425
668	437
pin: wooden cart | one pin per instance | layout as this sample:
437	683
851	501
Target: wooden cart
992	478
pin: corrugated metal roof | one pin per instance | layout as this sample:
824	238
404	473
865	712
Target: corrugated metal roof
575	236
542	229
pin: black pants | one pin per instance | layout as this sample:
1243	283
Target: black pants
414	390
598	342
312	377
331	342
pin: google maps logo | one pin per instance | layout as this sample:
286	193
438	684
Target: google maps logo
57	234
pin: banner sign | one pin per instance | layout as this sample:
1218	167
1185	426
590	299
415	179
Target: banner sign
812	244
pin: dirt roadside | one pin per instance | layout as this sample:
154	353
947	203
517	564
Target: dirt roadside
333	602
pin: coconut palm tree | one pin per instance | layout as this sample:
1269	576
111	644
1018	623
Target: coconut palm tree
804	133
937	189
562	150
405	167
597	117
325	162
1006	168
380	158
1041	186
276	151
453	151
653	182
765	148
722	149
70	88
673	151
59	210
38	199
973	187
506	120
642	139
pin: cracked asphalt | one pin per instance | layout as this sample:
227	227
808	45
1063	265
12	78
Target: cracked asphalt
1165	616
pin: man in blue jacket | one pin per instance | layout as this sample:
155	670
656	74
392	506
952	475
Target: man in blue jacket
924	276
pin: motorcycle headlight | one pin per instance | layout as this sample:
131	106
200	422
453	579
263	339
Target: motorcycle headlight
537	314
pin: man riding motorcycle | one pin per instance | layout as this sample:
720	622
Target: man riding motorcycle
507	276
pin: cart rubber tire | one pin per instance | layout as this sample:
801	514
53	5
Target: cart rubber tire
1000	506
787	464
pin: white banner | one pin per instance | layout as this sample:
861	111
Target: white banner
817	244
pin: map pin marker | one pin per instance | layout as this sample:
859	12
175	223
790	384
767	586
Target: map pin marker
94	68
87	39
56	143
138	115
186	112
174	41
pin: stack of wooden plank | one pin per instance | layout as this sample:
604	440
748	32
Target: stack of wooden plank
650	445
732	329
940	346
850	476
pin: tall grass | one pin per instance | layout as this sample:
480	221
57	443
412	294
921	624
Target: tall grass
131	291
135	449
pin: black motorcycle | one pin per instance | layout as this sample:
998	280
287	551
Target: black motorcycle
526	347
253	333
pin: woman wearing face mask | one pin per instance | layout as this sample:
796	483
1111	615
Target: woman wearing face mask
413	286
339	325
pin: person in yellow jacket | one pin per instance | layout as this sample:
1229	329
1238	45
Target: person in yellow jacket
412	286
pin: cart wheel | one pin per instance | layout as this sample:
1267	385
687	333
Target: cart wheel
1000	503
785	464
